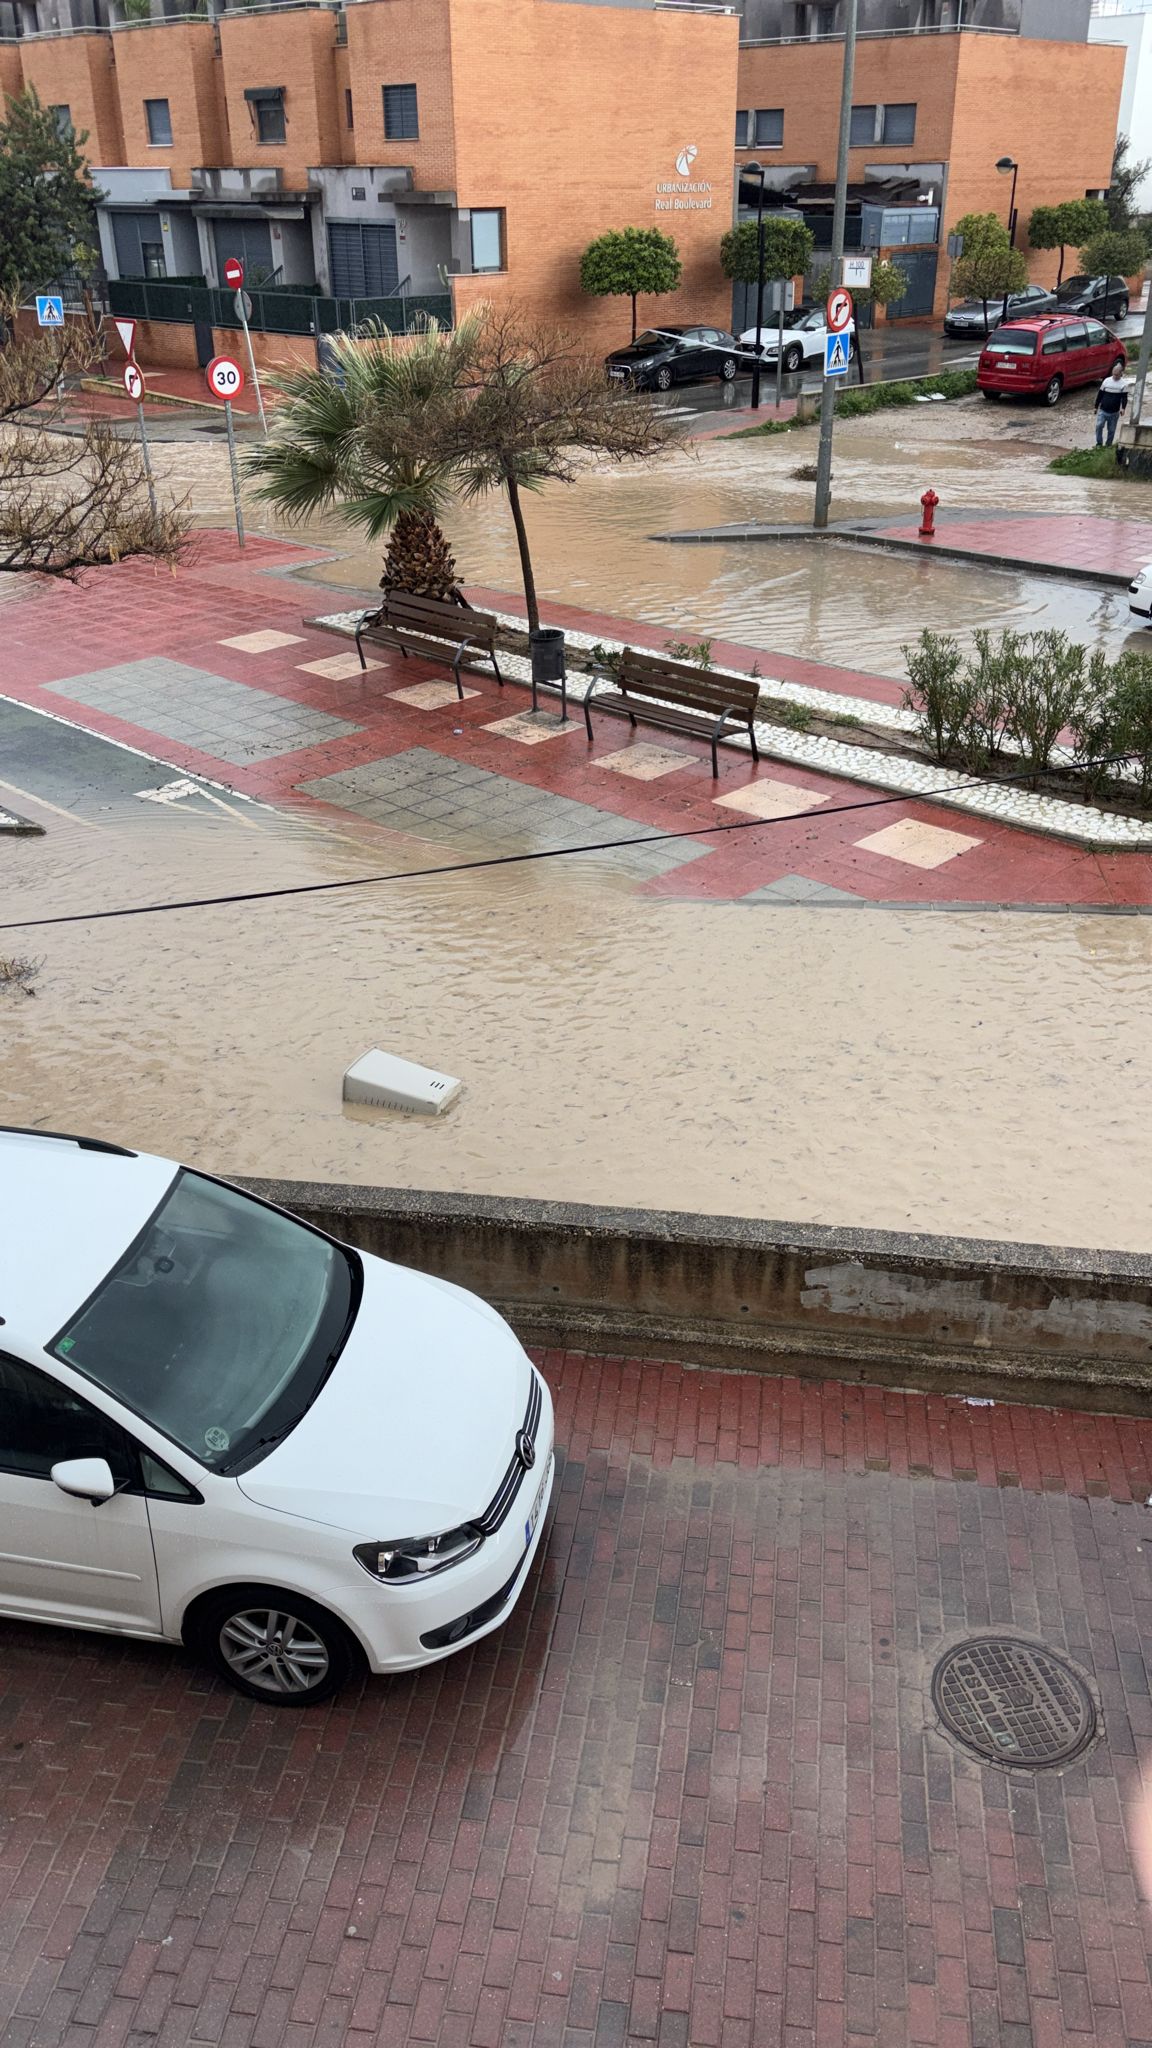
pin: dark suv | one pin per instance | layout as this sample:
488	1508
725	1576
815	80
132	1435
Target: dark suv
663	356
1106	297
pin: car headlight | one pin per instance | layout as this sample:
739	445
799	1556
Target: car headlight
405	1558
1138	579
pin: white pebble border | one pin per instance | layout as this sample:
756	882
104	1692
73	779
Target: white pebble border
1001	802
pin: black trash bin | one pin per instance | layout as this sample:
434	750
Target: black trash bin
547	647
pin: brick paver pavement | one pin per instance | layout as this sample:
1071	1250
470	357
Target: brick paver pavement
1052	540
693	1793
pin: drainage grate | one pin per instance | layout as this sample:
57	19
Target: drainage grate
1011	1703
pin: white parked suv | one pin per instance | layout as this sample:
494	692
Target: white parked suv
1140	595
222	1427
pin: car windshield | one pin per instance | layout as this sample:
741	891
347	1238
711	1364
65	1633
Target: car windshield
1011	341
220	1324
1072	287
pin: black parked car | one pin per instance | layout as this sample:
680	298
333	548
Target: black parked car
1107	297
663	356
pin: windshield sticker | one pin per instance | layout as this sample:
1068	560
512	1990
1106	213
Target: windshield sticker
217	1439
66	1344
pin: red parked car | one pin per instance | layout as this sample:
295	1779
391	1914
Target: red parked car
1047	356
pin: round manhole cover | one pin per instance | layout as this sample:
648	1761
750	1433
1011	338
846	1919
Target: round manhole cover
1012	1703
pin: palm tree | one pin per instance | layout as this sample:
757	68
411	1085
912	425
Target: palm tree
369	438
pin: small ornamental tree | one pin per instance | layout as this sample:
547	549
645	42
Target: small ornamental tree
1127	178
990	267
627	261
1067	226
47	223
788	249
1119	252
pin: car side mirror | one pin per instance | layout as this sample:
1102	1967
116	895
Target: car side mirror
86	1478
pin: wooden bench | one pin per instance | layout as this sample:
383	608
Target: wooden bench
432	629
672	694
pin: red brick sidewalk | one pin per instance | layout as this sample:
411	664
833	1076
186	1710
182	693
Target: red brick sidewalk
1064	540
693	1793
183	631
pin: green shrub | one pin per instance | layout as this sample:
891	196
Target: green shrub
935	690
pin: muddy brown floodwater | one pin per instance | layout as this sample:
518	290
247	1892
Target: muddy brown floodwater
985	1076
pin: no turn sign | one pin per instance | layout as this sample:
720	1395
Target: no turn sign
839	310
133	381
224	377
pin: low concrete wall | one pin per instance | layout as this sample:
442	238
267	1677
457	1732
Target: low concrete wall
1025	1322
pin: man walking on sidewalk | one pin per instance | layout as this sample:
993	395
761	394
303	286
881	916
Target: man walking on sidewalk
1111	401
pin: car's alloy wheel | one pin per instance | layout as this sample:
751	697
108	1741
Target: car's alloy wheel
276	1647
664	380
1122	310
1053	390
728	369
793	357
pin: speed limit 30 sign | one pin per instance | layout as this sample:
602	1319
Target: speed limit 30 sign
839	310
225	378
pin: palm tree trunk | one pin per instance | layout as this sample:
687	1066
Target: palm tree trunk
527	577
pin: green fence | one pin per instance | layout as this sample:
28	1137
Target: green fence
281	309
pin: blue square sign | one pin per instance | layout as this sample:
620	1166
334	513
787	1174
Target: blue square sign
50	310
836	355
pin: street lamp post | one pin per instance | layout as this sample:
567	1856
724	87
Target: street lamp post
1006	164
759	169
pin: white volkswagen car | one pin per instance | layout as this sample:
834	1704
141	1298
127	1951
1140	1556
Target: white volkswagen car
1140	595
221	1427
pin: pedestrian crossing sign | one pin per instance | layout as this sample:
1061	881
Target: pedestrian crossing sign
49	310
835	355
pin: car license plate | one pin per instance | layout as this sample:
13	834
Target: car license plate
534	1517
617	376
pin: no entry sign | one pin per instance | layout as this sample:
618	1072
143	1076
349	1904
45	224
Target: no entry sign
234	273
224	377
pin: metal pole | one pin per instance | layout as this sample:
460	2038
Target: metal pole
759	289
147	462
240	308
235	471
783	288
1142	364
828	393
1012	208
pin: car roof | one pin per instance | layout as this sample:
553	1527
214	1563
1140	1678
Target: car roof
67	1213
1042	321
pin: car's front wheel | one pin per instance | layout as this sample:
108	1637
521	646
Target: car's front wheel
277	1647
1053	390
728	369
793	357
664	379
1121	312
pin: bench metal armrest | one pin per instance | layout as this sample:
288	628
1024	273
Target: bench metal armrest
601	675
461	651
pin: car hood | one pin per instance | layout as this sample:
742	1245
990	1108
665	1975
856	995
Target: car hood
637	354
415	1425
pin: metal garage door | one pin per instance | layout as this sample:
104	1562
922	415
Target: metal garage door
139	244
251	241
363	258
920	270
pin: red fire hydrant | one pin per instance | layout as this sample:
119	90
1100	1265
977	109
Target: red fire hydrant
927	525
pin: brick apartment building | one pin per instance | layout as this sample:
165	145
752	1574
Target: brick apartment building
377	150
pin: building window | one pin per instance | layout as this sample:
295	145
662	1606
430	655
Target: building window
159	118
769	128
63	119
488	238
267	104
893	124
743	119
401	123
152	256
898	123
348	121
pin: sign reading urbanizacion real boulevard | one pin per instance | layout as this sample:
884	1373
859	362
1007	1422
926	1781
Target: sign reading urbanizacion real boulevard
684	193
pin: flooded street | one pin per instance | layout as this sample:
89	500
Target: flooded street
984	1075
